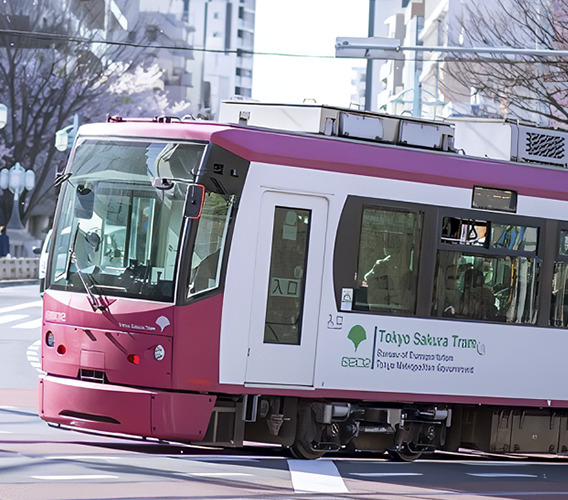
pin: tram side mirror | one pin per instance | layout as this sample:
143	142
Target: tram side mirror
163	183
85	202
194	201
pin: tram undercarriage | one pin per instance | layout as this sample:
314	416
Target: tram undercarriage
312	428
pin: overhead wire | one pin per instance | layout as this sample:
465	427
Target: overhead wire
54	37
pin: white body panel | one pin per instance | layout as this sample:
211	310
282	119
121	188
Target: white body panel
293	364
386	354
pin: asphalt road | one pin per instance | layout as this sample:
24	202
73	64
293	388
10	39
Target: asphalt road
41	462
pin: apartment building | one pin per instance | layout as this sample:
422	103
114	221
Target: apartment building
427	83
204	47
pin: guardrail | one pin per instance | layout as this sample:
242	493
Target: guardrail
18	268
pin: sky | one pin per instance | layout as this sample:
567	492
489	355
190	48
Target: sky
305	27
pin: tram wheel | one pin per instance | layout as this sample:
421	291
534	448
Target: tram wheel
403	455
301	451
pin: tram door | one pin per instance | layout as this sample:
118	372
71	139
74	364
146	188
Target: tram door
287	289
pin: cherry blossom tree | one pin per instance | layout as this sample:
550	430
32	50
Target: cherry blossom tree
53	66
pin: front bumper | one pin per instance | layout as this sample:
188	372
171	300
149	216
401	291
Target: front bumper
107	408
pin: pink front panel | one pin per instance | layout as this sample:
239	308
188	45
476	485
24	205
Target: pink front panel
181	417
124	410
119	342
95	406
196	345
125	358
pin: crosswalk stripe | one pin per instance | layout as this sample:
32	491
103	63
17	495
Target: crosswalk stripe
319	476
8	318
31	325
18	307
33	355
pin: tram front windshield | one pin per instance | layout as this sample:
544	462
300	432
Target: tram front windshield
116	233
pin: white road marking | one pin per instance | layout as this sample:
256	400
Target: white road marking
31	325
499	474
224	459
76	477
9	318
32	353
386	474
499	464
82	457
213	474
316	476
17	307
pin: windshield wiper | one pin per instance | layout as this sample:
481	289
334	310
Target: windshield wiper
67	271
96	302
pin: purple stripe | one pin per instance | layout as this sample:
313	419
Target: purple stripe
392	162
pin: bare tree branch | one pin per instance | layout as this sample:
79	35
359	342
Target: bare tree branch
522	85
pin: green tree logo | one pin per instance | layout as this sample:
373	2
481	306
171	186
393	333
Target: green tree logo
356	335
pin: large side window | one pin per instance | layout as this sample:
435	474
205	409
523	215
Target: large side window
209	243
486	271
559	304
387	267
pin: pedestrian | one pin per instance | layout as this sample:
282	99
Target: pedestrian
4	242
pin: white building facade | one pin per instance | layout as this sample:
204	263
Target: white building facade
204	47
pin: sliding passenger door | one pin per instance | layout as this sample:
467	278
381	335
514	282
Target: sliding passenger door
287	289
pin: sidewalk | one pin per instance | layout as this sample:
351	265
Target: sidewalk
25	399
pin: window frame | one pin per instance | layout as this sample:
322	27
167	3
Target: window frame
346	251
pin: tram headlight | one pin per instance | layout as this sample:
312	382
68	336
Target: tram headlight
159	352
50	339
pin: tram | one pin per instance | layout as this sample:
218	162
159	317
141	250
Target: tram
310	277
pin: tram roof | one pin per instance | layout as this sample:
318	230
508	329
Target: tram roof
357	157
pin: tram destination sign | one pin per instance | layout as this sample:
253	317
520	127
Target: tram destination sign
502	200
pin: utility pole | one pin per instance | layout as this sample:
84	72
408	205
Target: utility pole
369	73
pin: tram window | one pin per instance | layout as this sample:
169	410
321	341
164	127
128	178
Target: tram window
514	237
559	302
287	274
209	243
387	268
141	229
559	305
464	231
492	288
563	244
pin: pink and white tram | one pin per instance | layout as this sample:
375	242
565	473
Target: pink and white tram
359	286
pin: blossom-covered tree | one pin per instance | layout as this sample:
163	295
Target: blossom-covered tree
53	66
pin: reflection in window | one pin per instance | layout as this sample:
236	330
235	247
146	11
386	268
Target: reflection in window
123	232
514	237
563	245
464	231
493	288
209	243
141	230
287	276
559	312
388	260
